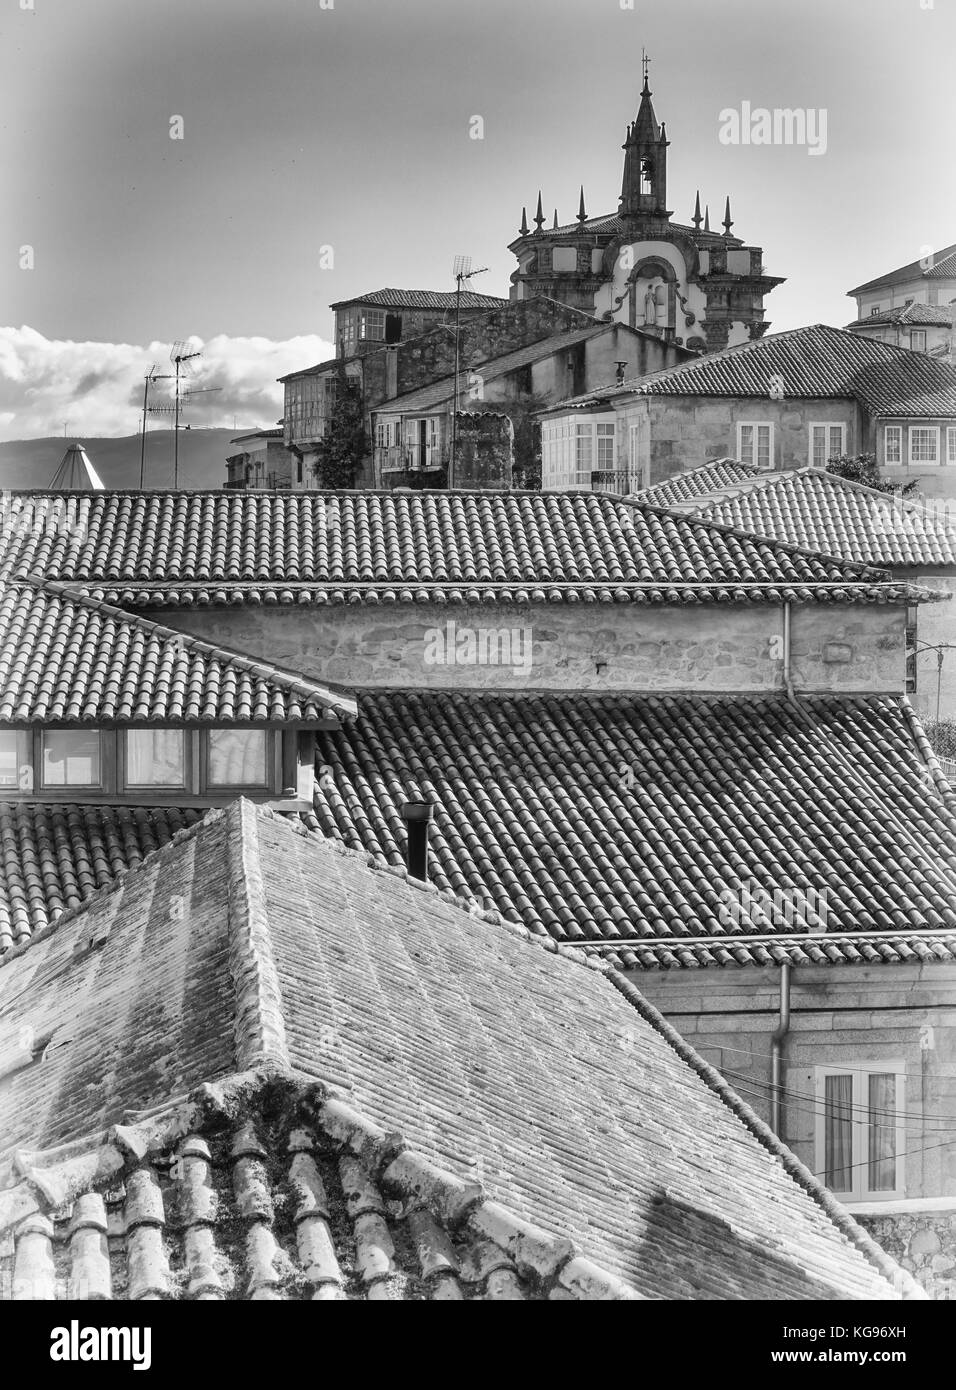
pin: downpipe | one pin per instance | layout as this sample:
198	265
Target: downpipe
776	1052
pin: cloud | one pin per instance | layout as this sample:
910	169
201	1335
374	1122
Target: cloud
96	389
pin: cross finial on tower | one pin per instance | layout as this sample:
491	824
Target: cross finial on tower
645	64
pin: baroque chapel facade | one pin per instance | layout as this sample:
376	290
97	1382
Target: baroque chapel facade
690	285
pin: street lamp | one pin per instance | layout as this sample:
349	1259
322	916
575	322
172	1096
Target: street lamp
938	648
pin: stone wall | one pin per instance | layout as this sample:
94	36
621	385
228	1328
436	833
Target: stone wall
687	431
600	648
923	1242
841	1016
485	450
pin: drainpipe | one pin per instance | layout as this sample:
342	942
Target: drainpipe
787	672
417	816
776	1052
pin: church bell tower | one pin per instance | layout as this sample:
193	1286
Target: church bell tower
644	188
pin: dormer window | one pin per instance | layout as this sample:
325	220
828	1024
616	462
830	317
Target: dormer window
70	758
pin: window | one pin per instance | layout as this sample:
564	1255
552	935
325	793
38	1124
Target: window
918	339
951	443
755	444
826	442
893	444
584	452
860	1129
70	758
924	444
15	760
373	325
236	758
155	758
874	310
605	445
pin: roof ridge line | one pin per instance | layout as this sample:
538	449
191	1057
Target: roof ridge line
390	1159
259	1020
796	1169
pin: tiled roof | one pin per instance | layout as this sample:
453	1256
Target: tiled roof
819	363
943	267
699	483
914	315
817	510
66	658
308	1079
54	856
424	299
196	549
441	392
622	818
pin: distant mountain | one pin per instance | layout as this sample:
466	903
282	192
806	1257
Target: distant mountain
31	463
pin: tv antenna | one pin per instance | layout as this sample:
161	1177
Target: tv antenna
151	376
462	271
182	355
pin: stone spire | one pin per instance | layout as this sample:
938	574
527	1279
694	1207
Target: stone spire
697	219
554	225
644	186
728	222
539	215
707	218
582	214
524	228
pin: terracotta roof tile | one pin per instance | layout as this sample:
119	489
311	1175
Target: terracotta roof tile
200	549
330	1096
943	267
817	510
910	315
425	299
818	363
53	857
622	818
701	483
69	658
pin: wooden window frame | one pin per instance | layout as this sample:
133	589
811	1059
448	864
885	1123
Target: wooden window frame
861	1071
756	425
898	431
923	463
127	788
273	763
104	786
827	425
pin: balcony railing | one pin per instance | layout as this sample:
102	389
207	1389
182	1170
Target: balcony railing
618	480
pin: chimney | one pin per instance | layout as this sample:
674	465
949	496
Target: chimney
417	816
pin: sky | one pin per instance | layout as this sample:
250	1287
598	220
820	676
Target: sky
328	150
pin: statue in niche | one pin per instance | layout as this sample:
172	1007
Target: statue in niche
650	307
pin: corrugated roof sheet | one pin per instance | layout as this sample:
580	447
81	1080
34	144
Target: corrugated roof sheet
339	1038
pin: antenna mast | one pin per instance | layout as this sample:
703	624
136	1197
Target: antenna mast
462	271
